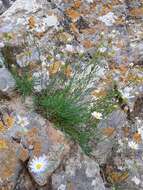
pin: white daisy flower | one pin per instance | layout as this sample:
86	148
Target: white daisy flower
62	187
108	19
133	145
1	44
140	131
136	180
89	1
97	115
102	49
22	121
69	48
38	165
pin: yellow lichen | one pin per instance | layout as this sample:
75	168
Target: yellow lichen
9	121
1	127
3	144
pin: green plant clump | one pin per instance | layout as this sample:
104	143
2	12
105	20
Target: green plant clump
108	103
24	84
68	116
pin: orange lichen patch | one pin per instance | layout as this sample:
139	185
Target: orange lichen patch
34	65
37	148
108	131
74	28
32	132
137	12
2	128
9	121
89	31
137	137
76	4
8	161
108	79
32	22
68	71
120	44
7	172
105	9
54	67
87	44
100	93
126	131
120	21
123	69
23	154
3	144
40	34
55	135
73	14
117	177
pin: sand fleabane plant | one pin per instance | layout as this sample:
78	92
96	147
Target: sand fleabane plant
22	121
38	164
96	115
133	145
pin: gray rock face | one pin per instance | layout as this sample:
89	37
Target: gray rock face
1	7
7	83
81	173
36	140
103	149
5	4
120	22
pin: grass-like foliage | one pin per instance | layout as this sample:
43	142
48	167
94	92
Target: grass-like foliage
63	111
108	103
66	97
24	83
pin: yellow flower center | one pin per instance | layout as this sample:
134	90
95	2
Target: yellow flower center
39	166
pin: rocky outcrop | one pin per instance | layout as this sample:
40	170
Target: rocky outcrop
5	4
25	137
7	82
73	28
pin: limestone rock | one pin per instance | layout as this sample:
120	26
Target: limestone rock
52	144
9	164
34	137
81	173
7	82
5	4
103	149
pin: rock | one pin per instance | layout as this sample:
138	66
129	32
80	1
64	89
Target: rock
7	83
63	30
23	154
35	141
80	173
116	119
103	149
4	5
9	164
34	138
1	7
25	182
55	148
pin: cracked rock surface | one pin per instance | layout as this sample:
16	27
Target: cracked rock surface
72	27
25	135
